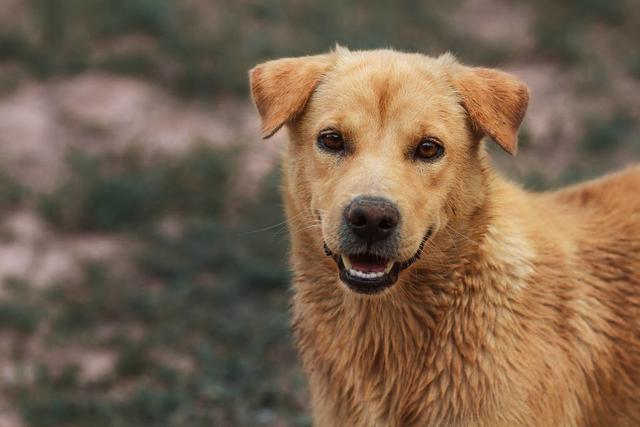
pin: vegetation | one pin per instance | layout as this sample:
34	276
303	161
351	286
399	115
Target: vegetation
205	48
198	321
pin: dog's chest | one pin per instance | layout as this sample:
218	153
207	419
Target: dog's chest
408	367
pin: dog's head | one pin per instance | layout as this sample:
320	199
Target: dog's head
384	149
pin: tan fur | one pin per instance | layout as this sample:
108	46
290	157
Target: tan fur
281	88
496	103
524	308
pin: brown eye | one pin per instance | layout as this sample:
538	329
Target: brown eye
429	149
331	141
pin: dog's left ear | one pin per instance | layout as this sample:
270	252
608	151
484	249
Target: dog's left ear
495	101
281	88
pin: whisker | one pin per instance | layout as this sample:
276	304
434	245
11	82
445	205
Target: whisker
448	228
274	226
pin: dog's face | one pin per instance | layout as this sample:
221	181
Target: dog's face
384	148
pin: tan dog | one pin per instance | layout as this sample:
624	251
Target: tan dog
449	296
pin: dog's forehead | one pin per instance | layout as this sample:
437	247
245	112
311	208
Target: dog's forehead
387	82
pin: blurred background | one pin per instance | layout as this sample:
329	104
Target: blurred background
143	277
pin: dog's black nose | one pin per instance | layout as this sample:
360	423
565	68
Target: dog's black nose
372	218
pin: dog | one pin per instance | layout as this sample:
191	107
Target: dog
428	289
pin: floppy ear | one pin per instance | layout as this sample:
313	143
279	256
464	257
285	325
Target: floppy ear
281	88
495	101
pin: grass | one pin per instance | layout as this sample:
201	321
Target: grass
126	191
634	66
19	317
197	48
199	323
605	136
562	29
12	192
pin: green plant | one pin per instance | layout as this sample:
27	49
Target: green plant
198	322
128	190
12	193
607	135
22	317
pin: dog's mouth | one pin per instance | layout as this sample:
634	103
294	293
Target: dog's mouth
367	273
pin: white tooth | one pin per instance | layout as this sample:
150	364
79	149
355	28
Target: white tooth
346	262
389	267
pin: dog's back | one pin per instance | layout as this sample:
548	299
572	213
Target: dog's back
617	193
607	216
603	219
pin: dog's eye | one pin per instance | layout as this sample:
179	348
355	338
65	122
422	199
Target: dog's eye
331	141
429	149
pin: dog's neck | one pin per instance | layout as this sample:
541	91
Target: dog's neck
372	348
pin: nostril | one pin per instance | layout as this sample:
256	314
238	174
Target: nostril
387	224
359	222
357	218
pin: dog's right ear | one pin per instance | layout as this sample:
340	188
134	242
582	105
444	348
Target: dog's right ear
281	88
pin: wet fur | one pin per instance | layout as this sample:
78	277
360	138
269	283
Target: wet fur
524	308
